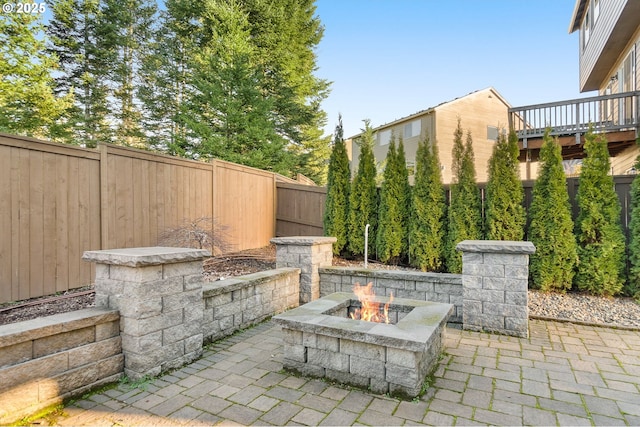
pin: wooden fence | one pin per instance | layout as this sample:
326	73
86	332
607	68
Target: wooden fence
300	209
57	201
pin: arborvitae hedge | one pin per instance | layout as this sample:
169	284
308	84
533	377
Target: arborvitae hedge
392	231
363	201
338	186
428	211
601	243
551	226
633	286
464	214
504	213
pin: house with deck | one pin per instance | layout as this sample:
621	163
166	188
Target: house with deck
484	113
608	63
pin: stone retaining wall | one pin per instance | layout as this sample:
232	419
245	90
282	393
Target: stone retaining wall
239	302
46	360
436	287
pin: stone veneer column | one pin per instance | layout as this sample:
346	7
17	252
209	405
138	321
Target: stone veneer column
158	292
495	281
308	254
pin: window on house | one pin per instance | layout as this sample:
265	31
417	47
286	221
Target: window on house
596	11
412	129
492	133
586	29
384	137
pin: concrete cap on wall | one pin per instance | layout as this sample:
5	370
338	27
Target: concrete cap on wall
303	240
496	246
136	257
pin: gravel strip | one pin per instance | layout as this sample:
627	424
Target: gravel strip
582	308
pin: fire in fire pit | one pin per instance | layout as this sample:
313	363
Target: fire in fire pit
370	307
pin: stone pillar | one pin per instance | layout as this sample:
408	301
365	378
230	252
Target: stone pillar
158	292
495	281
308	254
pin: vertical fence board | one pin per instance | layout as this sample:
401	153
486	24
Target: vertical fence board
49	225
62	223
73	231
5	224
35	193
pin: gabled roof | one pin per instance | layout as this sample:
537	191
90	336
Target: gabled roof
432	109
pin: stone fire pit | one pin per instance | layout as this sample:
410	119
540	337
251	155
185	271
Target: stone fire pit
321	341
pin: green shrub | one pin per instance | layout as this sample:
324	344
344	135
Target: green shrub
633	286
601	243
505	217
363	200
391	238
338	185
428	210
464	215
551	226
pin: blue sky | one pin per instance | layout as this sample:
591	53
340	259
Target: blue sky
388	59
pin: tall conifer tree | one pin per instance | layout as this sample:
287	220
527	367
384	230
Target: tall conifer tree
337	202
428	211
391	239
464	214
551	226
633	286
505	216
27	102
601	243
77	39
363	200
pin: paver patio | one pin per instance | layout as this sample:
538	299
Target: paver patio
564	374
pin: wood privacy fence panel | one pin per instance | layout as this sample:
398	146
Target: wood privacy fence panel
49	215
57	201
244	202
300	210
144	194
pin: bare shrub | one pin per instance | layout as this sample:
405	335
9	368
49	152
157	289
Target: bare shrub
200	233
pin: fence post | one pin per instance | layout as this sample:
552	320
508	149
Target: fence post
495	282
158	292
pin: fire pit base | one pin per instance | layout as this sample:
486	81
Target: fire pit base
320	341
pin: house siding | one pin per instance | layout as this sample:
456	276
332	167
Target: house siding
595	58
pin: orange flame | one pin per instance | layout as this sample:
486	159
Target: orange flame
370	310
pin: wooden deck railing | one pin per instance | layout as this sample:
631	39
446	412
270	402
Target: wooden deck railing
605	113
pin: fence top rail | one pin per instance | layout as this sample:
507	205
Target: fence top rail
35	144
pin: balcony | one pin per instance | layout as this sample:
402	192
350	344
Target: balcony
616	115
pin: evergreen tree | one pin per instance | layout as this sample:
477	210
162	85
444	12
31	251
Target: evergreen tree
337	202
504	213
428	211
633	286
363	200
551	226
27	101
464	214
391	238
127	30
76	38
601	243
228	116
167	74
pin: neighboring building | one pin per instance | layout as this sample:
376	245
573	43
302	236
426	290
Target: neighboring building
608	47
484	113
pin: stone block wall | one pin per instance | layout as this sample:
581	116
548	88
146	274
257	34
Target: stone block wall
158	292
46	360
237	303
436	287
308	254
495	280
